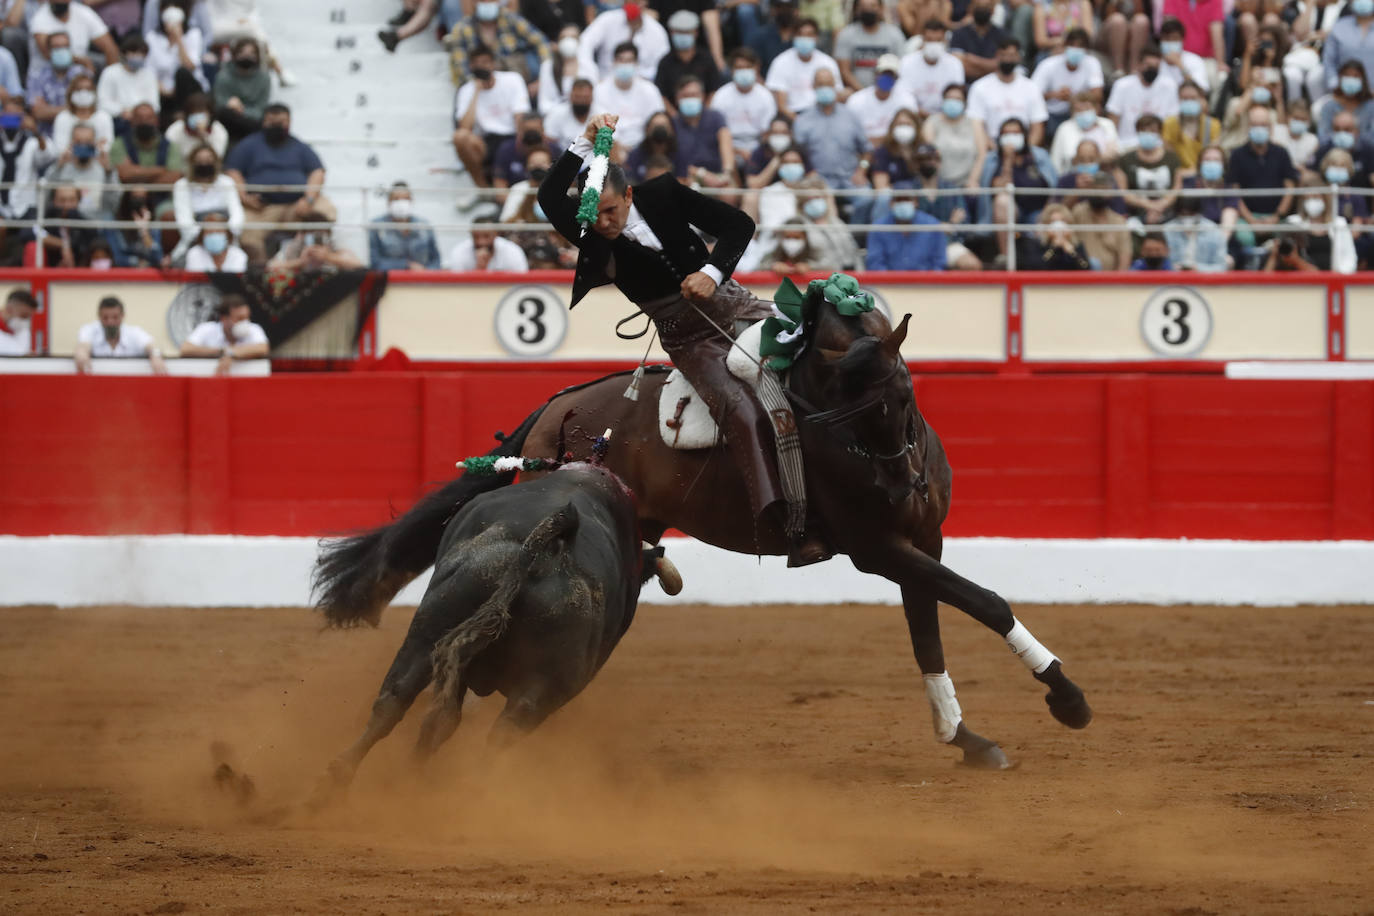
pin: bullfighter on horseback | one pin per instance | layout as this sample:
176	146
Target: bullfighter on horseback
643	241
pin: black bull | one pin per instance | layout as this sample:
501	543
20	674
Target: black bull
533	587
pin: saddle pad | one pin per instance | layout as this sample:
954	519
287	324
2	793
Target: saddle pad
695	428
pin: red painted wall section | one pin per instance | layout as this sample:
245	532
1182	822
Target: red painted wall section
1072	456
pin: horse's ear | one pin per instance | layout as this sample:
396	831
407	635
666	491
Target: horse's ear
831	356
892	343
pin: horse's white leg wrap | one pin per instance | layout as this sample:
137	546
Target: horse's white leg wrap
944	708
1027	648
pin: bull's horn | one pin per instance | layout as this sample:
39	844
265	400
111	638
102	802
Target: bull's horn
668	576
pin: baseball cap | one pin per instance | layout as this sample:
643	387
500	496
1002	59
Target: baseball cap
888	63
632	10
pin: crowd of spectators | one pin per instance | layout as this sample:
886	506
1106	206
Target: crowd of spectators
1150	119
111	103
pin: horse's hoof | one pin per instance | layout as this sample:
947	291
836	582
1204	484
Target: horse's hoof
1070	707
979	752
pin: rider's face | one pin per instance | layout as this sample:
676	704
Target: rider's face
613	214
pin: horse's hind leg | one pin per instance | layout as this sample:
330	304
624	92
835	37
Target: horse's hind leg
441	721
523	713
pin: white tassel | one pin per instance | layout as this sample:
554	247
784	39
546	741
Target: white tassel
632	393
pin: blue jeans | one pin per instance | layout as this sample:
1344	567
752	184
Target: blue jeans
450	13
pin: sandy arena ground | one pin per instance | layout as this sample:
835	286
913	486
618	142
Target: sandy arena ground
728	759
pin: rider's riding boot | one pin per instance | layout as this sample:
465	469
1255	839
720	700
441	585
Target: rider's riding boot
807	549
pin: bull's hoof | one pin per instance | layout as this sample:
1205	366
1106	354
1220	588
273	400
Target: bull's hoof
979	752
1065	699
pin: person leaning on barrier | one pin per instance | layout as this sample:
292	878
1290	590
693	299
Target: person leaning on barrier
63	246
15	316
140	246
487	251
215	251
1109	249
1195	242
1326	241
400	240
230	335
791	254
1154	253
110	337
100	256
1054	246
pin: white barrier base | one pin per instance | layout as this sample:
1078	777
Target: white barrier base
224	571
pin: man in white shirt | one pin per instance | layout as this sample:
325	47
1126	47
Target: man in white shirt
602	39
1085	124
1062	76
15	315
926	73
568	119
1005	93
30	153
747	106
1178	64
110	337
82	25
485	111
627	93
125	86
792	75
876	106
1147	91
229	336
487	251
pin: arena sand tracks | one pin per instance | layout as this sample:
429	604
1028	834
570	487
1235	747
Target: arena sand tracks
730	759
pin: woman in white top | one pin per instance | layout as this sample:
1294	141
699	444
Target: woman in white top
174	54
81	109
197	127
205	190
216	251
961	140
565	62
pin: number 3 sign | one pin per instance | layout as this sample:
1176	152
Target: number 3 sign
1176	322
531	321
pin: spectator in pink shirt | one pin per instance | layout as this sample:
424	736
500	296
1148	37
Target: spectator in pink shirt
1204	31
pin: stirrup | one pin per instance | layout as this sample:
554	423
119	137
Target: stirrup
808	549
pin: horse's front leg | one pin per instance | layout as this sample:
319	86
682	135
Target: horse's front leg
923	621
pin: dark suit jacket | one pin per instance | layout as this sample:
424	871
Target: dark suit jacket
670	209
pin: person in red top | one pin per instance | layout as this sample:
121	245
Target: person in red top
1203	27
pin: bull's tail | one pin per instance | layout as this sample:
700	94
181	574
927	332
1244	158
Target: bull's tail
461	644
355	577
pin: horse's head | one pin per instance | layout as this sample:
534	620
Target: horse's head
857	394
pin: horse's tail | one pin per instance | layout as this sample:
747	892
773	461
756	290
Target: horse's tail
355	577
461	644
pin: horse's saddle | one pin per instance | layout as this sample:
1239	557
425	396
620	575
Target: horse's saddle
684	420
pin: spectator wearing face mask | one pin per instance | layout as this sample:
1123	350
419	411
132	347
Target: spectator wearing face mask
976	44
82	27
1264	89
1297	136
947	208
230	335
926	73
610	31
23	153
1056	22
1194	241
1154	253
81	110
1085	124
1054	247
1177	62
686	58
1082	174
628	94
49	80
747	107
535	169
143	156
130	83
203	191
1063	77
704	142
400	240
485	251
563	69
762	167
1351	96
567	120
1147	91
1109	249
1192	129
904	249
315	250
486	114
1326	241
961	141
197	127
1344	137
777	202
792	75
108	337
174	56
513	42
214	250
197	15
242	91
830	239
863	42
85	165
1349	40
508	167
660	139
1016	163
1262	164
1006	93
140	246
791	254
709	16
1217	206
877	105
1150	173
100	256
15	316
894	155
64	246
1335	169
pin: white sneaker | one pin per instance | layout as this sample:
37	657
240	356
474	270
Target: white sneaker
286	78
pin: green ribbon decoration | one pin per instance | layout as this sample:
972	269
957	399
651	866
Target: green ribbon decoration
840	290
485	465
591	197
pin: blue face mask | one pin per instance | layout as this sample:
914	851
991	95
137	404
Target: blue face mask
9	121
1363	8
1211	170
904	211
1149	140
1086	119
624	73
745	79
825	95
684	42
791	172
1170	47
61	58
885	82
690	107
1337	174
487	11
1261	96
134	62
815	208
1189	108
952	108
1087	168
1074	56
216	243
1259	135
1343	139
83	150
1352	85
804	44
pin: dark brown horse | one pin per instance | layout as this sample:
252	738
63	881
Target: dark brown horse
877	480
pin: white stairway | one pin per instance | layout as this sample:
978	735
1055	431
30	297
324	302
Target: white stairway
373	117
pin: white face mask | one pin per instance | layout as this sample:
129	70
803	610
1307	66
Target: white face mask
17	324
904	133
567	46
400	208
173	16
83	98
779	142
1314	207
932	50
1058	225
793	247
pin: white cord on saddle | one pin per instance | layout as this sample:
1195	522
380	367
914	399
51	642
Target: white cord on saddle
944	708
1027	648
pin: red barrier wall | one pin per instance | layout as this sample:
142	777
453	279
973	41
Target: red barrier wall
1076	456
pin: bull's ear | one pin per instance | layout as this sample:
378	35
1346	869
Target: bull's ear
892	343
831	356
